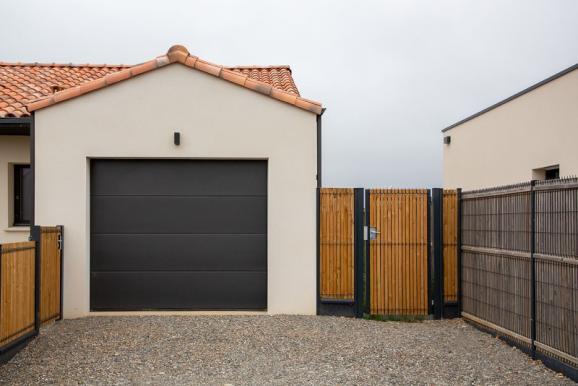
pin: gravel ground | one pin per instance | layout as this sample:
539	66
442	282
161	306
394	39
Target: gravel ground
253	350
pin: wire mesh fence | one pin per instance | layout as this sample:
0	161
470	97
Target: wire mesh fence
519	264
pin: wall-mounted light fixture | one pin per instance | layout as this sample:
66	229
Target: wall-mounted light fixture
447	140
177	138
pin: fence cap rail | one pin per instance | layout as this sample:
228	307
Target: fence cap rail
498	190
561	184
346	191
50	229
7	248
570	182
558	181
397	191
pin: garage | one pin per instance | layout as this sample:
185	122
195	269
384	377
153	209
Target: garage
178	234
183	185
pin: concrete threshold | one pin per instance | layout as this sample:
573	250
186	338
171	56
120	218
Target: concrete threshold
177	313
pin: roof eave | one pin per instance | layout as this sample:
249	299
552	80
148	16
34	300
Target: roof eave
15	126
519	94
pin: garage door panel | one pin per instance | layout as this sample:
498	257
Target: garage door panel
179	177
168	214
178	290
178	252
178	234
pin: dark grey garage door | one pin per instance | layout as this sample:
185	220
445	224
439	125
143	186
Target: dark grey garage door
178	234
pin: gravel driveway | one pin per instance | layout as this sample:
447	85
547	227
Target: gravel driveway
290	350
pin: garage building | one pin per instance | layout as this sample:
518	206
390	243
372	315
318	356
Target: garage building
181	185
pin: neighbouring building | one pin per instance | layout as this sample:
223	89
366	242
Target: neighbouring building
531	135
180	184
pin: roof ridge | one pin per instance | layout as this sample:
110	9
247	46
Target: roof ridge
37	64
181	55
261	67
40	64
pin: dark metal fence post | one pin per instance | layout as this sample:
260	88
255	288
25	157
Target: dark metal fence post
438	258
0	274
533	268
35	235
459	248
367	253
61	247
358	257
430	288
318	252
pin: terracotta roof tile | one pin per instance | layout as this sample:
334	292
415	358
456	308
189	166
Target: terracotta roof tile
27	87
277	76
207	67
233	76
22	83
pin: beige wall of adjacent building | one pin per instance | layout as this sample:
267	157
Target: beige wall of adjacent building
503	146
217	120
13	150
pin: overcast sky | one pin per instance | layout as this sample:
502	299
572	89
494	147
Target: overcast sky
391	74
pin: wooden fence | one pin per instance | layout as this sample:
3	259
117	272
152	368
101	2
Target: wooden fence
398	256
519	262
50	273
450	240
336	238
17	289
20	314
395	274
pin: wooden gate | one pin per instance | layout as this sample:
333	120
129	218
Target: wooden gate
50	245
336	243
398	255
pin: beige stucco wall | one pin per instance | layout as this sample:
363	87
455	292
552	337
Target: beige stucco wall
13	150
503	146
217	119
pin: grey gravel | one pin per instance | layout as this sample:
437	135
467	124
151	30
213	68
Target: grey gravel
239	350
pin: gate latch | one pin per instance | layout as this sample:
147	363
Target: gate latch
59	240
373	232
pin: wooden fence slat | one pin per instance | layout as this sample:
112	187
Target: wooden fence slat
450	234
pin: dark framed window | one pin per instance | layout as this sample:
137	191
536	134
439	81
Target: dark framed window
22	194
552	174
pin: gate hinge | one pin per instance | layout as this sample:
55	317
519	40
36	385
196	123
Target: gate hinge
59	240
